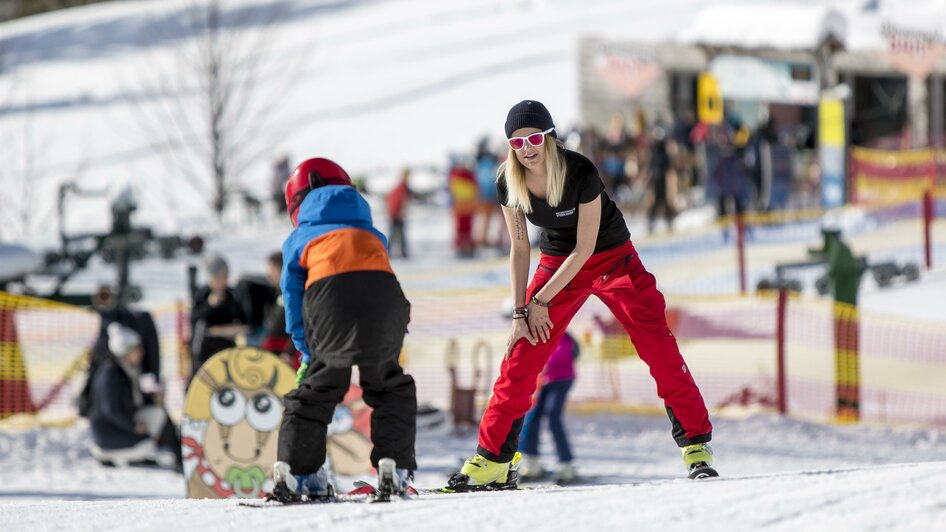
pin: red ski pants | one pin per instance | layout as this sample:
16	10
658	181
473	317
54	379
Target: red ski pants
620	281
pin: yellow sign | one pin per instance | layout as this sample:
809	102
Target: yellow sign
709	100
831	122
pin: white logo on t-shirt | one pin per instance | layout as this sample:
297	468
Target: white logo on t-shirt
563	214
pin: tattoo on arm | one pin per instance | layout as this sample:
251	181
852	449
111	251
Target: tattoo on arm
519	230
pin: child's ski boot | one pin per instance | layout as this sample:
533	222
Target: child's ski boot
299	488
482	474
699	460
393	482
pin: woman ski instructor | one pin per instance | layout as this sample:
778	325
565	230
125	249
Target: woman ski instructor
586	249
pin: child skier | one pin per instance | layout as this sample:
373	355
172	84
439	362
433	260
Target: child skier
344	307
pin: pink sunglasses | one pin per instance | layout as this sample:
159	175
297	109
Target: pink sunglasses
535	139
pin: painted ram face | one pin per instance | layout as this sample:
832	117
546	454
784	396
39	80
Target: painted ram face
231	420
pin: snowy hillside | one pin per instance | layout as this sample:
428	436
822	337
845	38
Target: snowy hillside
96	94
373	85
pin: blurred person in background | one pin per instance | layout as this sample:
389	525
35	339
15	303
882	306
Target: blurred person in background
661	173
278	183
633	196
614	150
124	429
275	338
397	202
486	164
590	144
557	379
769	162
730	176
586	250
682	156
110	310
683	128
464	197
217	317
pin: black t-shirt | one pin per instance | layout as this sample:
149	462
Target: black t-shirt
560	224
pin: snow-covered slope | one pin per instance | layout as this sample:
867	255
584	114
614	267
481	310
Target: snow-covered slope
778	474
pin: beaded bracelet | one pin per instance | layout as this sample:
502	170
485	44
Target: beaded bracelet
541	303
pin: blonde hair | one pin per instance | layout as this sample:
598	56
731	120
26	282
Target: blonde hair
517	196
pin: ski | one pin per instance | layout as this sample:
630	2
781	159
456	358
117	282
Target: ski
363	493
389	489
373	494
700	470
447	490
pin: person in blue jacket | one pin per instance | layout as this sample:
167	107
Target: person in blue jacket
344	307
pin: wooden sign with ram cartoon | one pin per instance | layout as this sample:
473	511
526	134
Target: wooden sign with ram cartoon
230	424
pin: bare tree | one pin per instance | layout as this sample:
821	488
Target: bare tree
21	146
210	120
23	141
18	152
7	10
23	8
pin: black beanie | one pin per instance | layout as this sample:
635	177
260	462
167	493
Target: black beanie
529	113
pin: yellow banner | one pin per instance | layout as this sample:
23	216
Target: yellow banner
831	123
709	99
893	158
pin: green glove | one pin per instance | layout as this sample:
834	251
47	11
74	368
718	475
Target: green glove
300	374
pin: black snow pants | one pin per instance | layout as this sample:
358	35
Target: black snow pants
352	319
385	388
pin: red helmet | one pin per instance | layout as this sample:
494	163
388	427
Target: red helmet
310	174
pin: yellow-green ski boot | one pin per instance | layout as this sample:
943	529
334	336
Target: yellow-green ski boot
482	474
699	460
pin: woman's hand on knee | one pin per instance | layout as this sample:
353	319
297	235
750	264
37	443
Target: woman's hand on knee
520	329
540	325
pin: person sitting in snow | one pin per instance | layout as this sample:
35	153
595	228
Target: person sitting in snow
111	310
124	430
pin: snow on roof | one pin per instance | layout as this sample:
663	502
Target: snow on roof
783	26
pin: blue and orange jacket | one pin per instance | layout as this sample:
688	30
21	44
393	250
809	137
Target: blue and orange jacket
335	236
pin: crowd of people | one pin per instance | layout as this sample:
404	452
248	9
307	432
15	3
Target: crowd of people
652	168
661	168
